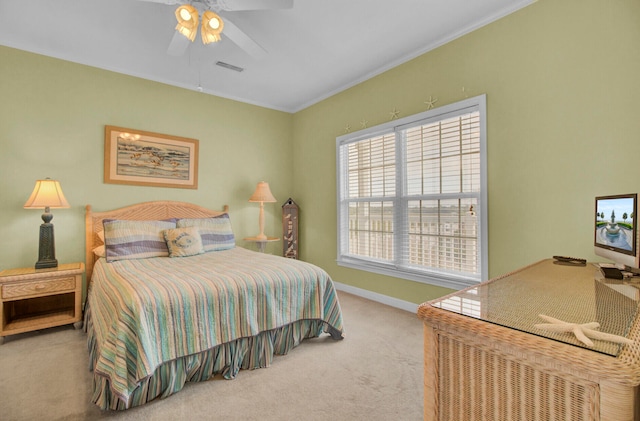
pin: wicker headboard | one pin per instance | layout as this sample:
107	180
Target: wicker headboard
141	212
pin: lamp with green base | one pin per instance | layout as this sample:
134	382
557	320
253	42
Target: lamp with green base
47	195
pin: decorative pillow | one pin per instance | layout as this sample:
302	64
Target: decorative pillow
216	232
126	239
183	242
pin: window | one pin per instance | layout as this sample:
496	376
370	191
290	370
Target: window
412	196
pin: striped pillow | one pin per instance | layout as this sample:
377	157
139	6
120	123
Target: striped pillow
125	239
216	232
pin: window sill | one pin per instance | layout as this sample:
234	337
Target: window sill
442	279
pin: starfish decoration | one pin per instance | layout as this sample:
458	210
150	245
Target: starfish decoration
394	114
582	331
347	128
364	123
431	102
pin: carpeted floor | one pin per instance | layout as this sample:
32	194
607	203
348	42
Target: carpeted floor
375	373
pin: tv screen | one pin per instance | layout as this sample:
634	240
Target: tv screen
615	227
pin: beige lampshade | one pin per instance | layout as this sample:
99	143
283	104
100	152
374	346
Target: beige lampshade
47	194
262	194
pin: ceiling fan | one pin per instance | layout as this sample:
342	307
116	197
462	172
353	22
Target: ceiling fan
213	26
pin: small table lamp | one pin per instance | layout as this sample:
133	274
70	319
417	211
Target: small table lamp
47	194
262	194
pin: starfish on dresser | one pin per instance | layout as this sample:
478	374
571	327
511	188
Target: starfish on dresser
582	331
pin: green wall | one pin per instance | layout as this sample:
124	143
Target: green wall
561	79
562	84
52	118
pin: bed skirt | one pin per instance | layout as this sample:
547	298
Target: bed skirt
226	359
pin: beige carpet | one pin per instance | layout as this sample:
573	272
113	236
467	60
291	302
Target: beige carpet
375	373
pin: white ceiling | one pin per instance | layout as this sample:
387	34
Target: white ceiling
315	49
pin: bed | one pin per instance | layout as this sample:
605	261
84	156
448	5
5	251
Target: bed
157	317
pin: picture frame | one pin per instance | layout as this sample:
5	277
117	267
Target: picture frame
142	158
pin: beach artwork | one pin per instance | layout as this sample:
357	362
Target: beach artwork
144	158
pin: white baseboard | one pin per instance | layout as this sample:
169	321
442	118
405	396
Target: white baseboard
380	298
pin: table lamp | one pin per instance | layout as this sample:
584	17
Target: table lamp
47	194
262	194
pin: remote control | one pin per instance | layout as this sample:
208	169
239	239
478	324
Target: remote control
571	260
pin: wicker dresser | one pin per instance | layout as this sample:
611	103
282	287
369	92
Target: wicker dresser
485	359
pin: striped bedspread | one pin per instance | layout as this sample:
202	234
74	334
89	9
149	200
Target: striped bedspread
149	311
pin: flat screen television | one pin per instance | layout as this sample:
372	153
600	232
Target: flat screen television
616	231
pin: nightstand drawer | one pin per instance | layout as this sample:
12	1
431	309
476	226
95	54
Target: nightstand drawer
45	286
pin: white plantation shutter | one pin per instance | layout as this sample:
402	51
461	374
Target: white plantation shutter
371	175
412	197
443	191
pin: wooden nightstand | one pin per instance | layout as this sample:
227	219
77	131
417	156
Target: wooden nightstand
32	299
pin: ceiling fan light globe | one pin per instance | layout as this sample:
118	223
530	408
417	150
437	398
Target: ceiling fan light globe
187	17
212	26
187	13
184	14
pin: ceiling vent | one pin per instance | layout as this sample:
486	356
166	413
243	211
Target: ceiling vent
229	66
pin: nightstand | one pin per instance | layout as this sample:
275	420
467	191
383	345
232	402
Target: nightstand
260	243
33	299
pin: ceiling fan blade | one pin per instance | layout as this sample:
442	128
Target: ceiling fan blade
237	5
178	45
243	40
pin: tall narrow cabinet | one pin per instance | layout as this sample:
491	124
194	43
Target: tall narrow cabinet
290	219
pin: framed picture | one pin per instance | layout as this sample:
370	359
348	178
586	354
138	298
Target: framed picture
149	159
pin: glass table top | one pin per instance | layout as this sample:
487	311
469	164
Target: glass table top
572	294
